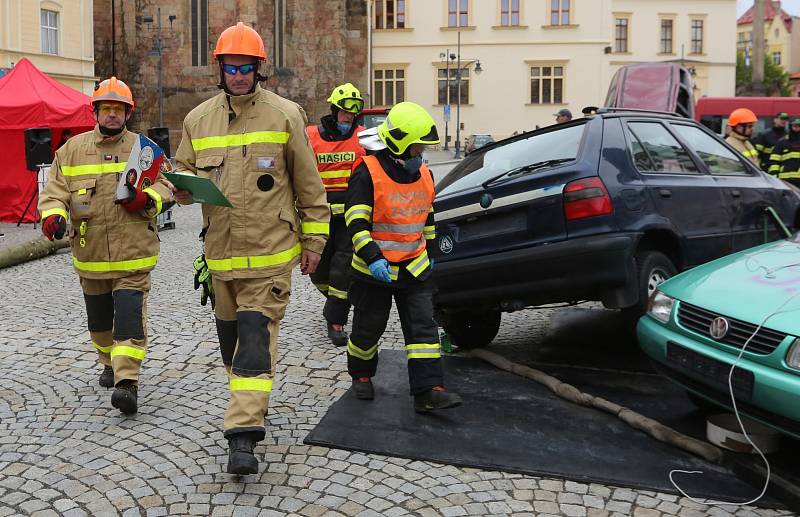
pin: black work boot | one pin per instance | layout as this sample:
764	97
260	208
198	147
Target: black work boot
435	398
336	334
106	379
363	389
125	397
241	459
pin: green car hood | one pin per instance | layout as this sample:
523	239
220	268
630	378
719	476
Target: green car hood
748	285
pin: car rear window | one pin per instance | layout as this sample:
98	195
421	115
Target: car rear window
481	166
719	159
655	150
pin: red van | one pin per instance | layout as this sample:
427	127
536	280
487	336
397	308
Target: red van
713	112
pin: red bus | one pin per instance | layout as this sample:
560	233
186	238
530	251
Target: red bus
713	112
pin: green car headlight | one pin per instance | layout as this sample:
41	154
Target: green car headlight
660	306
793	355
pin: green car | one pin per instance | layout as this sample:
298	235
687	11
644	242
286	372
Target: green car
697	323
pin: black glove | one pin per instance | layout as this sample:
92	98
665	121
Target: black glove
202	277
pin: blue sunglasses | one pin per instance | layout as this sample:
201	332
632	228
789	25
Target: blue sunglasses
242	69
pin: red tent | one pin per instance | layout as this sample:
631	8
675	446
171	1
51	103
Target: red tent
29	98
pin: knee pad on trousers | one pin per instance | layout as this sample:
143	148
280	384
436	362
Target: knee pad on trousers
228	334
99	311
252	356
128	322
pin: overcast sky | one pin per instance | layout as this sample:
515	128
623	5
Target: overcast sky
790	6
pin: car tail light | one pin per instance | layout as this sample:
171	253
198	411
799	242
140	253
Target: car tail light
586	198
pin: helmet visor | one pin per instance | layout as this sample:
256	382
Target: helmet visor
351	105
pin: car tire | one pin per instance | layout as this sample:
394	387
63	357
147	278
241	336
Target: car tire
472	329
652	268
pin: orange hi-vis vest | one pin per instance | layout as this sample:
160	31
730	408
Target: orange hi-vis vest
335	159
399	212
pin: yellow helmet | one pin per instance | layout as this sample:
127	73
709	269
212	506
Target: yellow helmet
407	123
346	97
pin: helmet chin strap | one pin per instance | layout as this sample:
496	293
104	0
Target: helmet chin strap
224	87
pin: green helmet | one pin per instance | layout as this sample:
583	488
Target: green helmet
346	97
407	123
795	121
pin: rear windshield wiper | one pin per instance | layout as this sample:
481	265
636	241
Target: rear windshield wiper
526	168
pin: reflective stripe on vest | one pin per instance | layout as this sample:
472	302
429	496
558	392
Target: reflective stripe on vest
399	212
256	137
254	261
95	168
335	159
121	265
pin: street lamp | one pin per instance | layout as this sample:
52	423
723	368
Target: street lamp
447	57
159	51
478	70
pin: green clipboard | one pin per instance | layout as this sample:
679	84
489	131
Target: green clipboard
203	189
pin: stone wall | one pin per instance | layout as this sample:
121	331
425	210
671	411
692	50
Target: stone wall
325	44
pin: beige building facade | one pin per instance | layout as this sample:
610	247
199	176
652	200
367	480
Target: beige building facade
55	35
781	36
523	60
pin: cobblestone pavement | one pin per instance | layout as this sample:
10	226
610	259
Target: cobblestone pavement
65	451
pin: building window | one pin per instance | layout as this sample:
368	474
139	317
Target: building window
199	32
547	84
777	33
509	13
697	36
559	12
776	58
49	32
450	96
389	86
390	14
666	36
457	13
621	35
279	32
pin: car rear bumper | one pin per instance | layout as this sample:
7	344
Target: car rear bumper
771	399
587	268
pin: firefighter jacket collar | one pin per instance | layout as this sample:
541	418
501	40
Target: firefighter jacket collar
240	103
101	139
737	136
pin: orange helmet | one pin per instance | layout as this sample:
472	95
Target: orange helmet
113	90
240	39
741	116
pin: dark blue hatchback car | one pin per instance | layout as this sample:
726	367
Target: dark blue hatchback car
602	208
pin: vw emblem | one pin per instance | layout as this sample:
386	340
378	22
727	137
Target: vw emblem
718	328
446	244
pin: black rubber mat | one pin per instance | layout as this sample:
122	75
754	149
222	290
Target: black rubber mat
512	424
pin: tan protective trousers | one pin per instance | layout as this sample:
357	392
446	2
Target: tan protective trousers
117	319
248	313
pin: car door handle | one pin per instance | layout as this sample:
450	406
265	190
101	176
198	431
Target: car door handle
664	192
736	193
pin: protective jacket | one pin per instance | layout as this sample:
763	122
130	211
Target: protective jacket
255	149
743	145
765	145
107	241
389	214
335	153
786	158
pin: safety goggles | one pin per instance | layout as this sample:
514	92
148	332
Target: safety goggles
110	108
351	105
242	69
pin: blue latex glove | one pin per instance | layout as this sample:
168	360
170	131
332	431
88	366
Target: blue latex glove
431	263
380	270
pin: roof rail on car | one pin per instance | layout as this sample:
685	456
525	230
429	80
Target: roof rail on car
608	109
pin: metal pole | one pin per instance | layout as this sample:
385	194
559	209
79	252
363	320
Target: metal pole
160	67
113	39
458	100
447	97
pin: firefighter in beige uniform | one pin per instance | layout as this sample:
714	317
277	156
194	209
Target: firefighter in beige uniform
253	145
114	246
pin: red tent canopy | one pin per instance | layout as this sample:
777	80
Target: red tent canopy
29	98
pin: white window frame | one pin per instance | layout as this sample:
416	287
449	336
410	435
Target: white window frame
50	34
